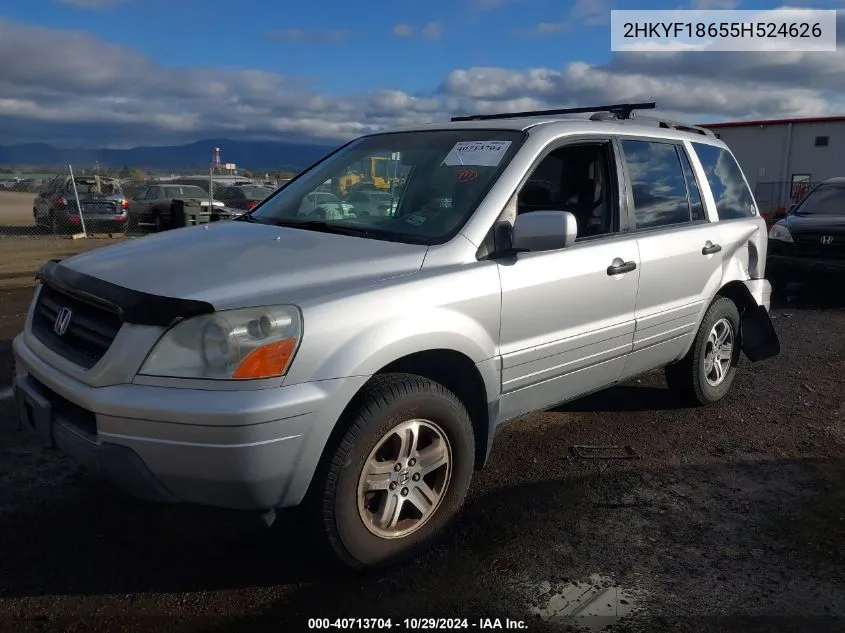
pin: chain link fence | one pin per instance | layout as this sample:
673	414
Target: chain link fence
87	203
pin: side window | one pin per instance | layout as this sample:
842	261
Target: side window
695	202
657	184
732	195
578	179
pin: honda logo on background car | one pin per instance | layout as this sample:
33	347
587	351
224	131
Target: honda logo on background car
827	239
62	321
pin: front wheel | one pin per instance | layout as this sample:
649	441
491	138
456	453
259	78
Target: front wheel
704	376
399	474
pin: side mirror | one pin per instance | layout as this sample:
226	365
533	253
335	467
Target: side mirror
544	230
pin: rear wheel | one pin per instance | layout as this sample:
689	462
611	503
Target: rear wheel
704	376
159	223
398	474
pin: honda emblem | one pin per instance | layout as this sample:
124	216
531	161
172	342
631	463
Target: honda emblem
62	321
827	239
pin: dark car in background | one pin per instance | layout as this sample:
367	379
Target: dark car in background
808	245
153	207
102	205
244	197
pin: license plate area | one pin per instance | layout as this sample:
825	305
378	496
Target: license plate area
36	414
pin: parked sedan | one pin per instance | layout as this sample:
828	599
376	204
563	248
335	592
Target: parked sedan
244	197
152	207
102	201
372	203
324	205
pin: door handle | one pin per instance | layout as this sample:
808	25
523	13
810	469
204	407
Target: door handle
621	267
710	248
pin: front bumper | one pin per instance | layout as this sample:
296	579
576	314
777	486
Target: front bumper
255	449
798	268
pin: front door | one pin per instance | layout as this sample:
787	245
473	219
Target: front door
567	316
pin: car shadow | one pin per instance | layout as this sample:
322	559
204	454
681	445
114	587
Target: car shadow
22	231
809	296
762	520
625	397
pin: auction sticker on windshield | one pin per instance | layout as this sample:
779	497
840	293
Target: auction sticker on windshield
477	153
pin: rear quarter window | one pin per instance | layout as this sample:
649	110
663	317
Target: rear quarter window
733	197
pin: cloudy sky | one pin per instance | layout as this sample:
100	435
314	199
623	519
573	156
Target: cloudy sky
121	73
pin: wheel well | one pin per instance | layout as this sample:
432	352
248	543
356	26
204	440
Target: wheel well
459	375
737	292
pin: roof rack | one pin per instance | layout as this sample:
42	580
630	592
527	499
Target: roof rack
678	125
620	110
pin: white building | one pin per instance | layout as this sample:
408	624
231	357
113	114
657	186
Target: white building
783	157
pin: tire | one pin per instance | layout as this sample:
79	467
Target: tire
348	515
691	377
159	223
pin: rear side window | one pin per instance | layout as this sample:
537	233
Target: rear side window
657	184
732	195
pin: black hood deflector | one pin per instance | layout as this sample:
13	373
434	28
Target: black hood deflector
134	306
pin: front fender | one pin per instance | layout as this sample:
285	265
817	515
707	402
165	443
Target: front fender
385	341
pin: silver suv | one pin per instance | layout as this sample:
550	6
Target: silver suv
361	365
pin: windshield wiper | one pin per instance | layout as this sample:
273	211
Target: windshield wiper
324	227
247	217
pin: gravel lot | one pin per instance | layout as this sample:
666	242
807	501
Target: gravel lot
731	519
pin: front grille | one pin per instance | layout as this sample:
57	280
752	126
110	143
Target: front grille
810	244
90	331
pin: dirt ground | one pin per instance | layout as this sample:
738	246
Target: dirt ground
732	518
23	248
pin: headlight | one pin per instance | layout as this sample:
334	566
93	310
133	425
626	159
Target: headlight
231	345
780	232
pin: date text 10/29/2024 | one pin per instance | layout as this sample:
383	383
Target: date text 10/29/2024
415	624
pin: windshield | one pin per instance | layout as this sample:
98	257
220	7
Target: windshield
824	200
429	183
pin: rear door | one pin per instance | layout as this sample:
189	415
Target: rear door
743	234
681	258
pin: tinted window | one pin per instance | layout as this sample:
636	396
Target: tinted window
175	192
255	193
696	204
657	183
733	198
824	200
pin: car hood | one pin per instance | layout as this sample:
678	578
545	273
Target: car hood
239	264
815	223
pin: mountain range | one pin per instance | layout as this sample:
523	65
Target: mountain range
252	155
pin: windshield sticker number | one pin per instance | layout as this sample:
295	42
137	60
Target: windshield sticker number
416	220
477	153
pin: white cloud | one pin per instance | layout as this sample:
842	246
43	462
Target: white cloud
707	5
591	12
66	86
403	30
432	31
583	13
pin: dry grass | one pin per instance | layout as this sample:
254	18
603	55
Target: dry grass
23	250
